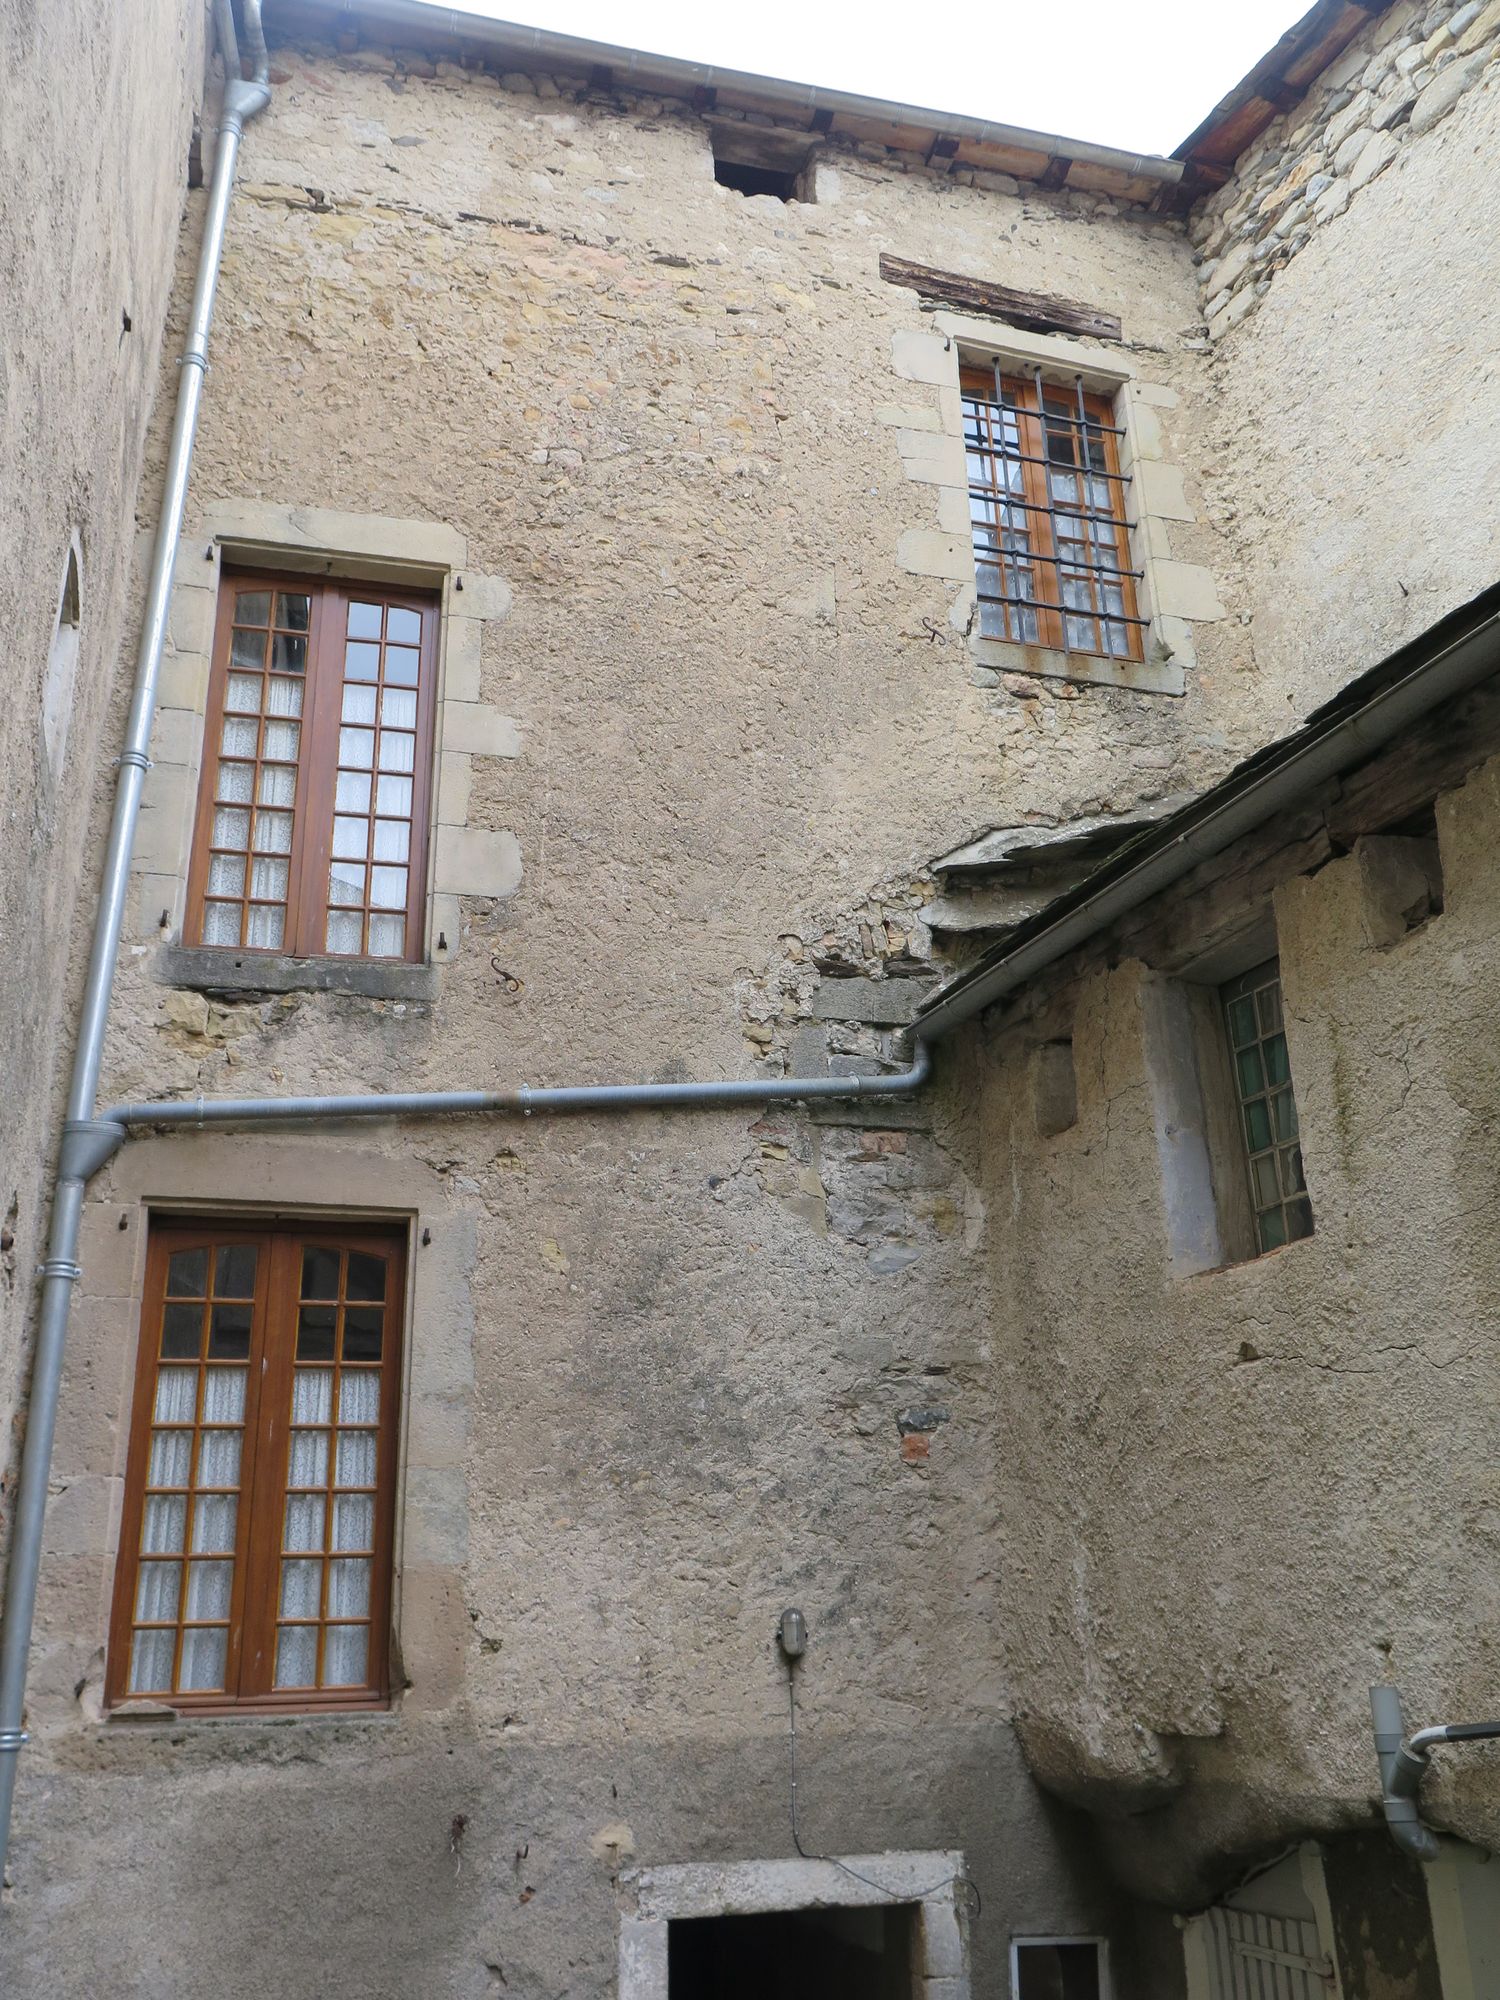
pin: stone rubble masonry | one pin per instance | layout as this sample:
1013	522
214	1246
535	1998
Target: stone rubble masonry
1395	82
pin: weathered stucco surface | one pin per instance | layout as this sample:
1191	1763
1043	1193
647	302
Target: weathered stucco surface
93	157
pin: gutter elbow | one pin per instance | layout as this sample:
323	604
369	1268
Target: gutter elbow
1407	1830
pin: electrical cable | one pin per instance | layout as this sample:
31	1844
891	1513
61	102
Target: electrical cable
965	1882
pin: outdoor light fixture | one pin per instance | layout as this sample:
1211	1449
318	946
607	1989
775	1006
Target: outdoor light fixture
791	1634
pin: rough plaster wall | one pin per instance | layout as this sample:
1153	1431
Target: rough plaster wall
1360	402
1248	1494
93	158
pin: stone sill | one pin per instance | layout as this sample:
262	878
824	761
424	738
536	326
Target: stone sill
1004	656
214	969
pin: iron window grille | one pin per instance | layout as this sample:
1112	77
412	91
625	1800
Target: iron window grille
1048	514
1268	1109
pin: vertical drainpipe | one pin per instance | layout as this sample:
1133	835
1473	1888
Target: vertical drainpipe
87	1143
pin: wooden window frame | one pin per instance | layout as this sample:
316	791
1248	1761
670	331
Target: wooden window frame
1265	1098
264	1467
305	934
1032	397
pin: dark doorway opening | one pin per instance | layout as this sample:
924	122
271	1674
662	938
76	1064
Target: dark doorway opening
794	1955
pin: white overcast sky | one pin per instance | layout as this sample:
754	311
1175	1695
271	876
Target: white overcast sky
1133	73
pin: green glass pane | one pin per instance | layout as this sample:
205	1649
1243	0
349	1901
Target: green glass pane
1248	1068
1258	1125
1292	1177
1284	1107
1272	1229
1299	1219
1263	1177
1268	1000
1241	1020
1277	1067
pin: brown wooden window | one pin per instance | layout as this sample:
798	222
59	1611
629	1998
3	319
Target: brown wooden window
1047	507
317	770
255	1545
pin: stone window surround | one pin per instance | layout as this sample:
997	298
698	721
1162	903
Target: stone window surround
247	1175
1173	595
464	860
656	1897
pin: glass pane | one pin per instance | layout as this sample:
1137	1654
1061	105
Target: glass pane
176	1395
219	1458
387	937
156	1591
226	875
231	828
1248	1068
286	697
351	838
355	1459
345	1648
309	1459
352	794
187	1274
282	739
364	621
1269	1002
240	738
268	879
1284	1112
151	1662
349	1588
359	702
224	1396
229	1333
276	785
1267	1188
401	665
388	888
296	1656
346	883
248	649
366	1279
304	1521
221	923
264	928
393	795
171	1458
392	839
344	929
234	1271
1272	1228
213	1523
165	1525
292	610
182	1332
1242	1019
357	747
315	1331
203	1651
361	662
320	1273
1292	1179
1257	1125
273	833
362	1329
354	1521
1277	1069
1299	1219
398	708
209	1585
301	1589
244	693
403	627
397	750
252	607
359	1393
235	786
312	1393
288	654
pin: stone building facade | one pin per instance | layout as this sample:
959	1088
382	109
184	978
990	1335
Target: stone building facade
1101	1524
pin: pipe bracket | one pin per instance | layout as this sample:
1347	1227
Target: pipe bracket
87	1145
13	1740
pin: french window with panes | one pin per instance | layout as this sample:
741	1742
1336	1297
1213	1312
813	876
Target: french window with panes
1047	511
1256	1030
255	1551
310	837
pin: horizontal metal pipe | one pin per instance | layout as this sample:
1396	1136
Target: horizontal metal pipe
1469	659
652	72
524	1101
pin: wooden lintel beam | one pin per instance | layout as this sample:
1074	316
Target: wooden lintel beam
1033	310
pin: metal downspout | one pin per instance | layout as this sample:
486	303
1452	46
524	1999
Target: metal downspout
1403	1765
85	1142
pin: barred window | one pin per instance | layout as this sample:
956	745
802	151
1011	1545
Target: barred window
1048	516
313	805
255	1550
1268	1108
